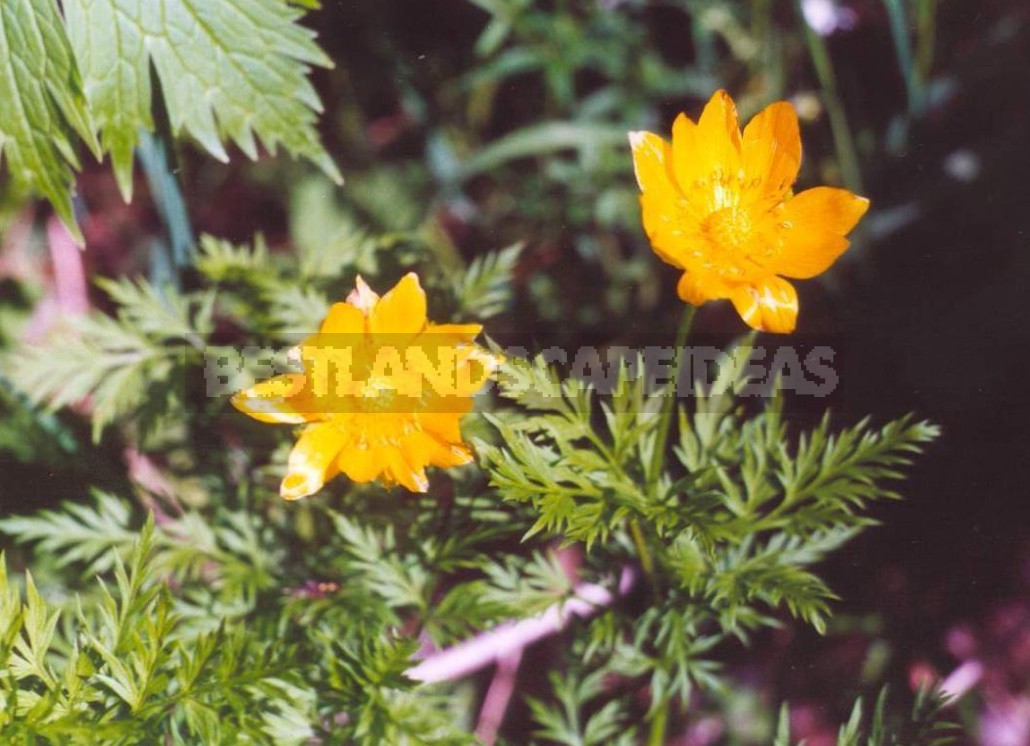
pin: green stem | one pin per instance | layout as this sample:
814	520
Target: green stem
842	137
669	401
661	718
155	156
704	40
903	48
762	27
926	32
646	560
656	736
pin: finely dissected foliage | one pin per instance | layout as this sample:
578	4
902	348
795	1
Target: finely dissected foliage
565	724
483	291
726	534
741	485
132	364
212	633
126	669
730	537
226	656
926	724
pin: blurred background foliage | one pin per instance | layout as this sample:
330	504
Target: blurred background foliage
467	126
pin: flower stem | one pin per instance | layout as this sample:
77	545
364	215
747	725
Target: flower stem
926	28
903	48
842	137
669	403
646	560
657	735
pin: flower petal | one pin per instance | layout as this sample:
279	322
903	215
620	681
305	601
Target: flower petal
668	226
706	154
652	157
278	400
700	287
401	311
361	464
453	333
770	305
444	425
422	449
473	369
689	164
343	318
313	461
671	221
414	479
718	130
810	230
771	152
362	297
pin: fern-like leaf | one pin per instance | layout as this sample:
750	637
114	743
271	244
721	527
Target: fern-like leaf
485	288
96	535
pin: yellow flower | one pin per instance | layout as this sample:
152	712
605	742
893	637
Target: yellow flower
381	394
719	206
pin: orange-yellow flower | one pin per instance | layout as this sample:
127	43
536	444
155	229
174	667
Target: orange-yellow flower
381	394
719	206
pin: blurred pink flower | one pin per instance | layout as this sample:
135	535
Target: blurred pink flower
827	16
1006	723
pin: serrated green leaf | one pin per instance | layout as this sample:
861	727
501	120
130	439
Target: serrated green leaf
229	70
43	103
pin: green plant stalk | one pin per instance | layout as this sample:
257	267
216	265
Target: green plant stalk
669	402
155	153
646	560
903	48
926	39
702	37
656	736
761	18
843	140
762	27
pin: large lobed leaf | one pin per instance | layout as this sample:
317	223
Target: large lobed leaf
228	69
41	102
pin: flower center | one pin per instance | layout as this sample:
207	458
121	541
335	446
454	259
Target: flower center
732	243
729	230
378	395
